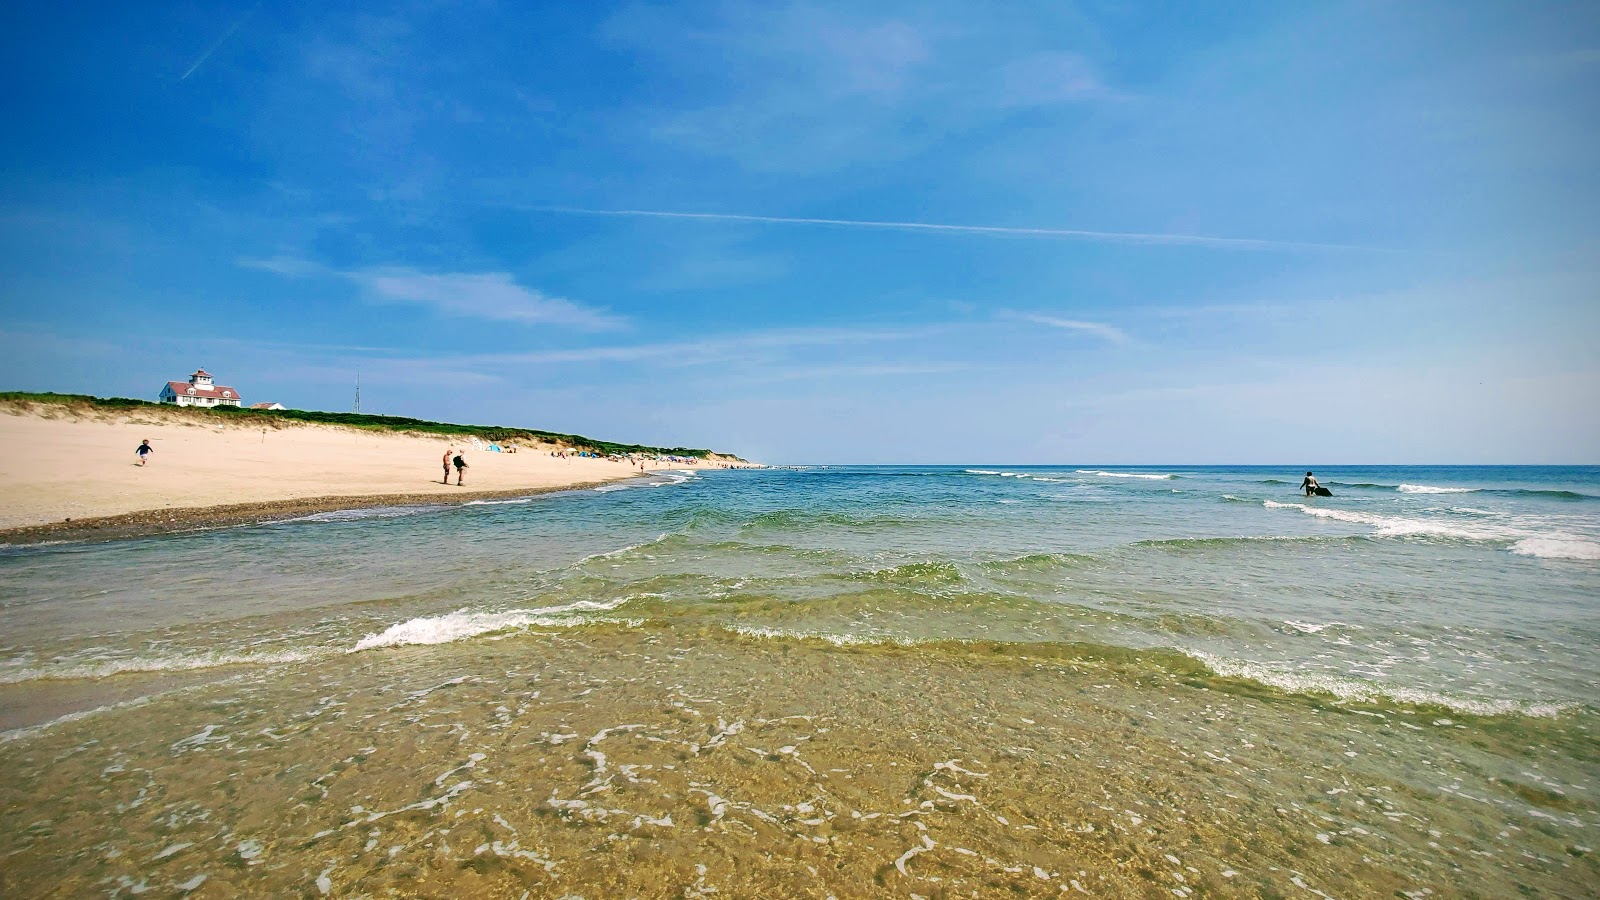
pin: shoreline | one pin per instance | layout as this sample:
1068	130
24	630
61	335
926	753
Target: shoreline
173	520
78	478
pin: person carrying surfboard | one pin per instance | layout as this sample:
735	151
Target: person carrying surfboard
1309	485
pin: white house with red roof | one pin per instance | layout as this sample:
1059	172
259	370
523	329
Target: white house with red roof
199	391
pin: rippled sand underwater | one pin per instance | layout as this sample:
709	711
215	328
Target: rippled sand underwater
889	681
654	761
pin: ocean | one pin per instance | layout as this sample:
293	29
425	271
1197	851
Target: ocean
955	681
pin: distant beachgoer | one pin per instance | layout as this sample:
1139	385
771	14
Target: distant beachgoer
144	452
1309	484
447	454
461	467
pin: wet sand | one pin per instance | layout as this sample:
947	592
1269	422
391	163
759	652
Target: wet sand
653	762
178	519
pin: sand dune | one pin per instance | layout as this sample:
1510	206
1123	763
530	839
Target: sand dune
60	465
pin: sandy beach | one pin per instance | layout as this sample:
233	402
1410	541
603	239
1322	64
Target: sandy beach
72	474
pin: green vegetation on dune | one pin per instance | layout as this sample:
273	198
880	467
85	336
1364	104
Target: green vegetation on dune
397	424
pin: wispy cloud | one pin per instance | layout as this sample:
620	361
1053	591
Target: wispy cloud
1099	329
1131	237
219	42
807	87
746	346
483	295
480	295
285	266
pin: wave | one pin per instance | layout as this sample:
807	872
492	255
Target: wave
1180	661
28	731
1145	475
363	513
1520	541
1363	691
1036	562
95	670
1553	494
1244	540
1557	548
838	640
784	518
1430	489
923	573
465	623
993	472
1406	488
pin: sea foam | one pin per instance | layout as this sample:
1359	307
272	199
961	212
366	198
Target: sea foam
1358	690
1146	475
1545	545
1430	489
1557	548
464	623
107	668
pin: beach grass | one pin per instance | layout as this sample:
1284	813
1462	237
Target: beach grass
396	424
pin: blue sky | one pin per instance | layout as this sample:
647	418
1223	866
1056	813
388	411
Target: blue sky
1274	232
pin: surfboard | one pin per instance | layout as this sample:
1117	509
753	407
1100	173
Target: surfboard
1324	492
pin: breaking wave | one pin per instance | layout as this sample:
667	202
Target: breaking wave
463	623
1363	691
1430	489
1554	545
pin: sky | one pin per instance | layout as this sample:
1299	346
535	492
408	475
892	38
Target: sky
1097	232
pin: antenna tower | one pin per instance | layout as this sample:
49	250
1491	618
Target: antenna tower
358	390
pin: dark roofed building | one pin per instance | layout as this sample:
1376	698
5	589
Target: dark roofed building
199	390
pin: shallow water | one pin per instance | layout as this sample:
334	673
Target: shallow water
857	682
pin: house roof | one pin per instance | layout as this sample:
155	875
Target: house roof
215	392
267	405
201	373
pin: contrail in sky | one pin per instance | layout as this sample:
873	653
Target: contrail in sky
1124	236
218	42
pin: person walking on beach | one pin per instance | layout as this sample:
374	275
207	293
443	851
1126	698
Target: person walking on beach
461	468
447	454
144	452
1309	484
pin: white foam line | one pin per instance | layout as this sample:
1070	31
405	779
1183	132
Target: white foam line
28	731
362	513
1430	489
607	554
838	640
31	730
1552	545
1146	475
1557	548
1366	691
95	671
465	623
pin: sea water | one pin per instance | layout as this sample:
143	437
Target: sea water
845	681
